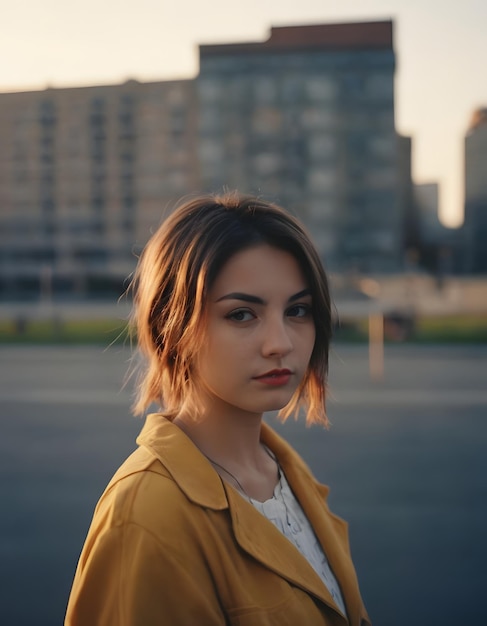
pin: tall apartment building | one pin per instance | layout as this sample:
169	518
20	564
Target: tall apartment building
305	118
84	174
475	223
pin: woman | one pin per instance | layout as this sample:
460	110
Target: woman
215	520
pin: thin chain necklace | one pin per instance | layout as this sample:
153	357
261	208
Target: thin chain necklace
235	479
242	490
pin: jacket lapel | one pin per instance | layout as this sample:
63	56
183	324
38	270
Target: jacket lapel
331	531
264	542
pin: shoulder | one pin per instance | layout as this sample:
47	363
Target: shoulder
143	494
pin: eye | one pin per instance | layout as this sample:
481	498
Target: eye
299	310
240	315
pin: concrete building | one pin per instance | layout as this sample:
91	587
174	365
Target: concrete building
84	174
440	248
409	209
305	118
427	201
475	223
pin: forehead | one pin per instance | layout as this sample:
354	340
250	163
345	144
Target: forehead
260	270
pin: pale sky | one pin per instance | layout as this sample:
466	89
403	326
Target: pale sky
440	45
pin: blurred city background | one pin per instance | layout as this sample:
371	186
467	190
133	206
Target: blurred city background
305	116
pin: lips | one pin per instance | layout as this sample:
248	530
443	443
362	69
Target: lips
275	378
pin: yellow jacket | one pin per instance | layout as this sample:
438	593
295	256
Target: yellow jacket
172	545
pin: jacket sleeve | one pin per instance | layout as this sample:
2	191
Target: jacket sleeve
125	577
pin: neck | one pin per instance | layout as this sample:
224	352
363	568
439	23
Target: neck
235	439
232	444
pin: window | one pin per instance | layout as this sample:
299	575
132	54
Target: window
320	89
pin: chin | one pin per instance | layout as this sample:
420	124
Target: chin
276	406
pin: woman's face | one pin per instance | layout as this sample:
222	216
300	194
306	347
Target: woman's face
259	334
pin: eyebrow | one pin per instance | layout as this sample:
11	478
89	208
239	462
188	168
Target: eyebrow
246	297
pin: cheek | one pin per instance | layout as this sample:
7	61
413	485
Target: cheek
309	335
309	342
220	353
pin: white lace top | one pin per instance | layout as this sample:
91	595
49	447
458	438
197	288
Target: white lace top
285	512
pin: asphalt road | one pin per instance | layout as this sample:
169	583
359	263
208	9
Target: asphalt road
405	458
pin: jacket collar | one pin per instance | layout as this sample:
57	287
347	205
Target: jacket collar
192	471
189	468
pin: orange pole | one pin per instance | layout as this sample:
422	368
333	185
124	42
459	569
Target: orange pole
376	346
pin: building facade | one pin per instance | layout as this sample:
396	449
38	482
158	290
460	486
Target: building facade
475	222
305	118
84	174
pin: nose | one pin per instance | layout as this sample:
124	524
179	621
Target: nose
276	339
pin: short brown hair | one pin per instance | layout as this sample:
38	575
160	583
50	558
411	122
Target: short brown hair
175	272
